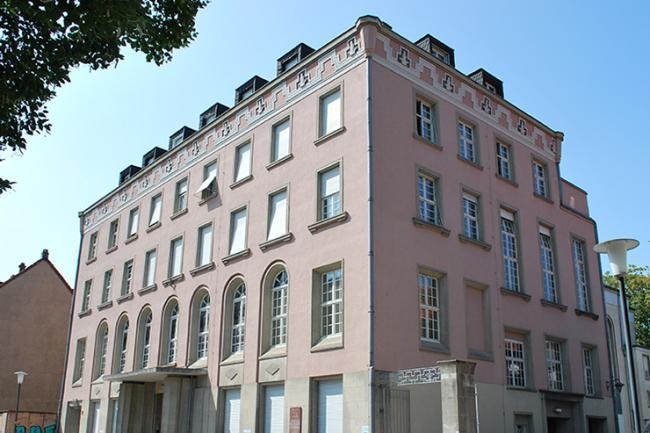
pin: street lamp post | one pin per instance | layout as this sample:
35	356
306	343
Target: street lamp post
20	377
616	251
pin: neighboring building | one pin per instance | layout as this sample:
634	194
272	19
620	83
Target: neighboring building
34	313
370	210
618	362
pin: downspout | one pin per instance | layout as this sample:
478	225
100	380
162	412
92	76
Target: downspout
59	405
371	256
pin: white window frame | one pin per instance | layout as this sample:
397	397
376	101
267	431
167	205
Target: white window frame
235	217
324	126
280	227
554	367
243	169
134	221
107	286
149	277
203	256
175	257
123	341
510	251
101	347
547	255
589	370
208	187
79	360
429	301
425	120
428	190
172	334
504	160
515	356
113	232
471	216
331	302
155	210
85	300
277	139
279	309
127	277
92	246
181	194
467	141
540	183
203	327
146	340
578	251
330	205
238	325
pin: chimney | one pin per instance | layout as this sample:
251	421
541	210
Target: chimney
21	267
45	255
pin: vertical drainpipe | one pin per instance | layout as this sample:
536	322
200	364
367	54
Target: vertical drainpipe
371	255
59	405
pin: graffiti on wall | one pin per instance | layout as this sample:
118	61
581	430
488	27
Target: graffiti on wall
35	429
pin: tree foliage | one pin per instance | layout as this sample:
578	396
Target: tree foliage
41	41
637	284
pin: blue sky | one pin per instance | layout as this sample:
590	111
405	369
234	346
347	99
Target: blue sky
580	67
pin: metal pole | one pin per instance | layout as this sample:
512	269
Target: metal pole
17	404
630	358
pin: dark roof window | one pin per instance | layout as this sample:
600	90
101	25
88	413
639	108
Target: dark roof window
487	80
179	136
151	156
128	173
248	88
293	57
437	49
211	114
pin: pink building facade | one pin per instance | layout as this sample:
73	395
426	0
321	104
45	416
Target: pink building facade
371	211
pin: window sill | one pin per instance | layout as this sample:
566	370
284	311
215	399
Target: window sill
124	298
326	223
84	313
171	281
520	295
98	380
275	352
280	161
236	358
104	305
241	181
276	242
506	180
332	342
586	314
199	363
77	384
431	226
476	242
153	227
543	197
178	214
520	388
432	346
207	199
93	260
470	162
428	142
480	355
552	304
203	268
236	256
148	289
326	137
111	249
131	238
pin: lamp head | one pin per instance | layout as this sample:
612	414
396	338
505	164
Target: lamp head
616	251
20	376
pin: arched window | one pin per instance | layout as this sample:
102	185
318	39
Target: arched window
169	333
238	319
143	353
101	346
204	320
121	345
279	309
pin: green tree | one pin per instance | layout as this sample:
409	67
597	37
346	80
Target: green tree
41	41
637	284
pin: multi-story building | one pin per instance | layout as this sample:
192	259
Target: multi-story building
304	259
34	318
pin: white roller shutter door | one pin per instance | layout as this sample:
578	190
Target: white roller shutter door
330	406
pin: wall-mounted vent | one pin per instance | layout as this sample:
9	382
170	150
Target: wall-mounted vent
151	156
212	113
128	173
437	49
248	88
293	57
179	136
487	80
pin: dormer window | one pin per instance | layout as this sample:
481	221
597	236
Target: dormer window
209	115
179	136
293	57
488	81
437	49
247	89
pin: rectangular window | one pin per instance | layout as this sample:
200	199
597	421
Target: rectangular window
330	113
204	246
112	233
330	406
515	363
232	413
208	188
510	252
238	230
175	258
149	269
134	217
79	360
466	148
580	270
429	308
428	199
106	288
127	277
539	179
331	302
554	365
85	302
281	139
242	161
180	200
92	246
94	417
424	120
504	161
471	228
329	187
523	423
278	214
588	359
274	409
548	264
155	210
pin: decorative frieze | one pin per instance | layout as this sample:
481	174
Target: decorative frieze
415	376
